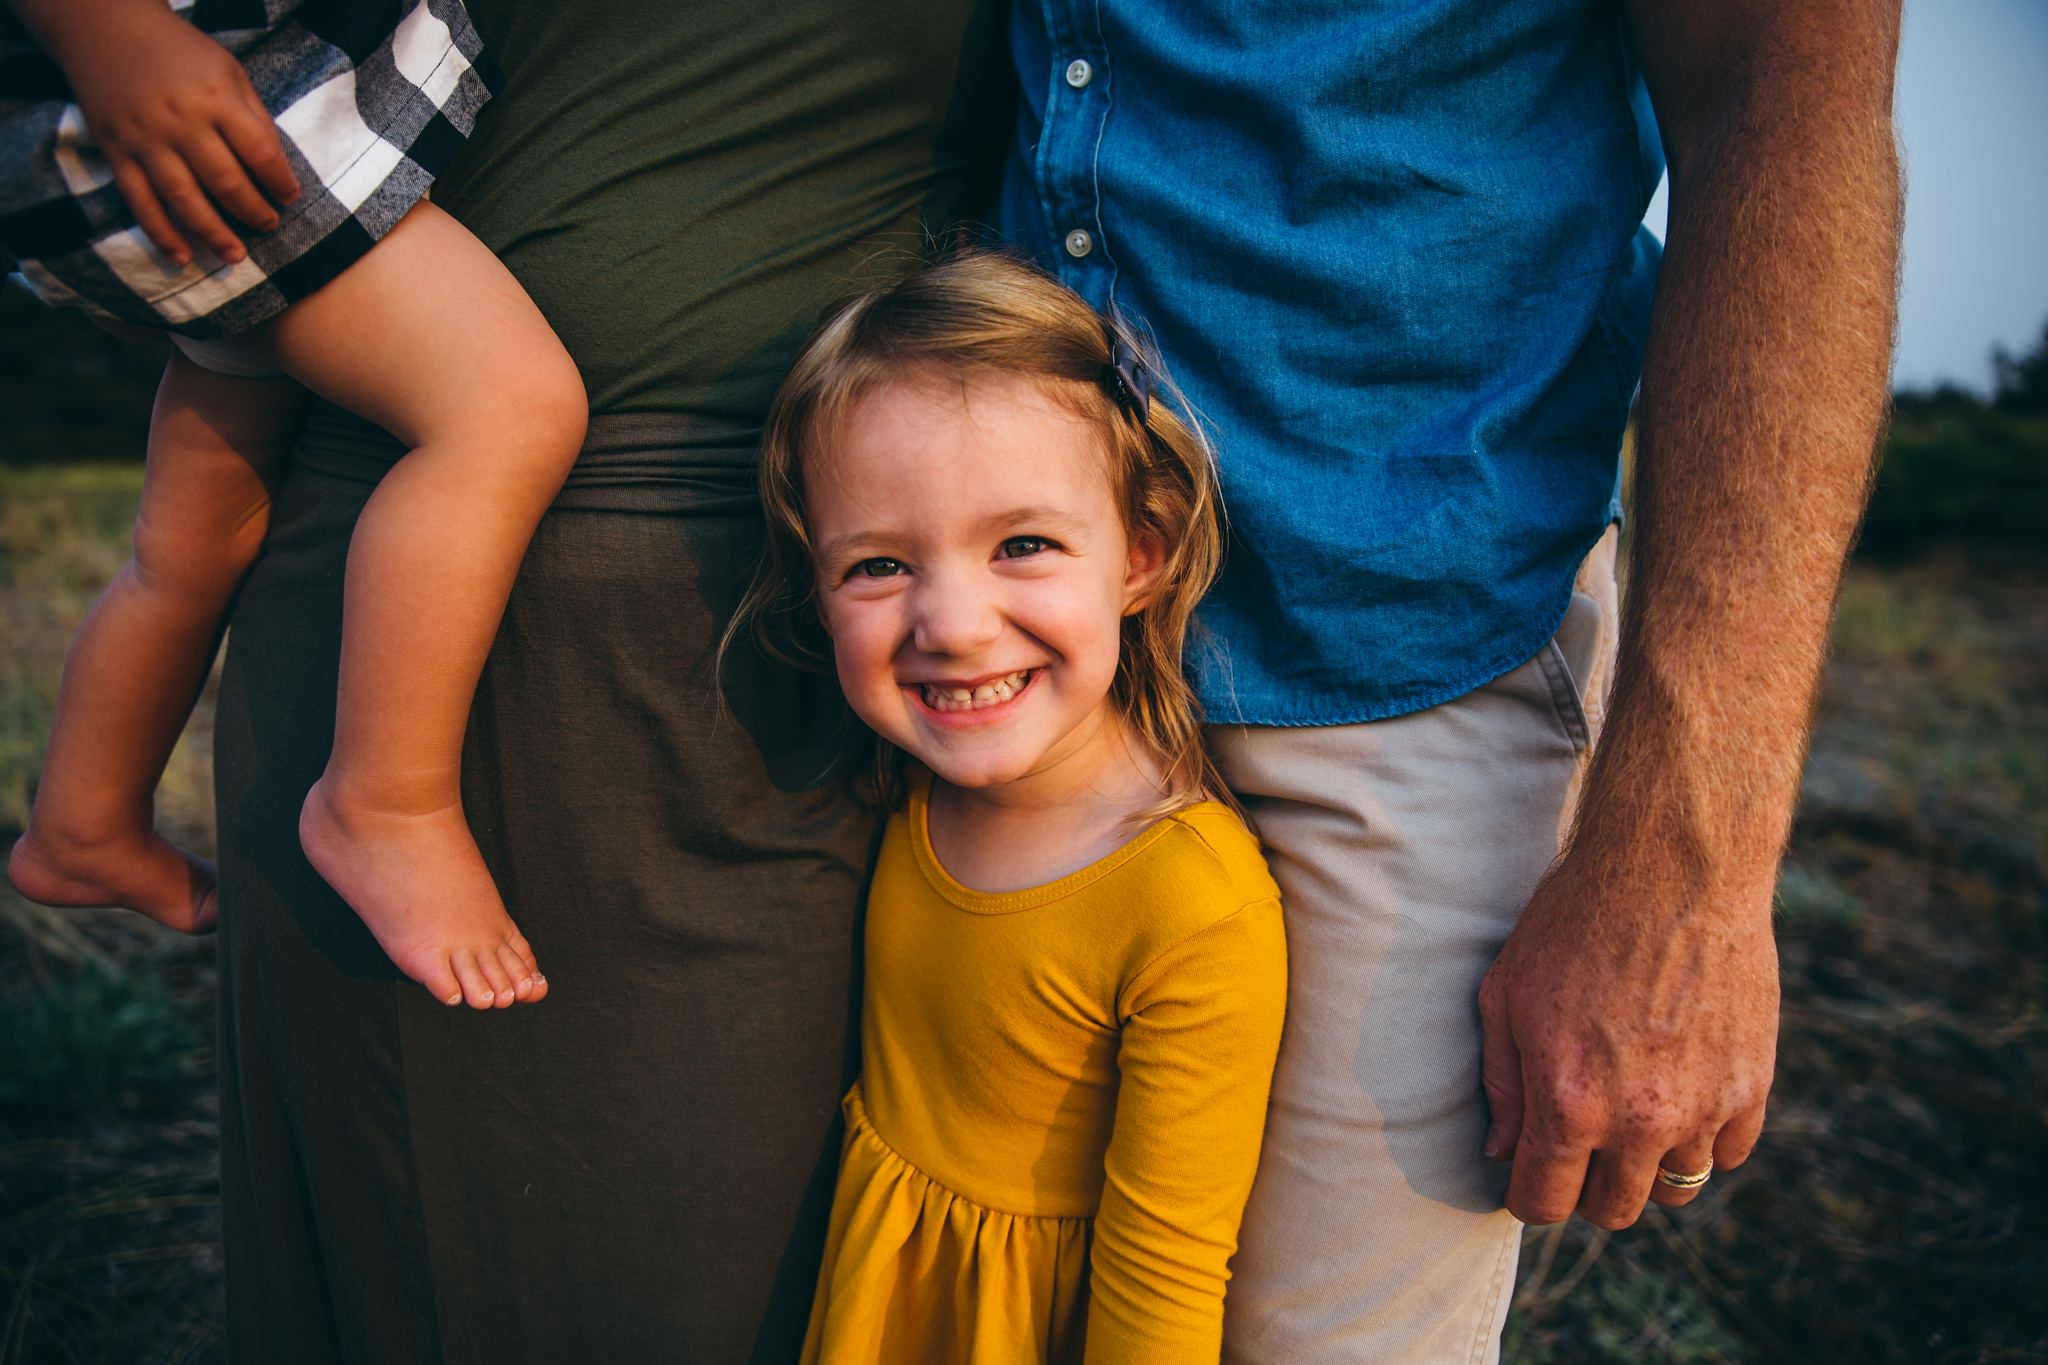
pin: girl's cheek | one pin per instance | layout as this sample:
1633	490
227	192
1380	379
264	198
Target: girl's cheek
863	692
863	645
846	618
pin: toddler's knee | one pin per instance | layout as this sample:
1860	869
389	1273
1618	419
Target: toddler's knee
198	567
544	409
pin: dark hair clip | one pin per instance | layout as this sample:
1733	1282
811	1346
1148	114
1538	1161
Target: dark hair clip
1130	381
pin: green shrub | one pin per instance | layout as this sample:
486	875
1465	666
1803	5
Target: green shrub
1622	1313
94	1045
1958	472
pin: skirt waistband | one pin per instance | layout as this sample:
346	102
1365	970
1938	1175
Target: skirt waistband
666	464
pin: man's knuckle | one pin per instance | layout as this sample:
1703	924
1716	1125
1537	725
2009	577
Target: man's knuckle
1570	1115
1649	1124
1635	1121
1564	1134
1611	1220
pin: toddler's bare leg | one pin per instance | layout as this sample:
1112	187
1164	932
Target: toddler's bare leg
143	653
430	337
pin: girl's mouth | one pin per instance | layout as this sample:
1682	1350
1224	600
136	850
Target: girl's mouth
980	697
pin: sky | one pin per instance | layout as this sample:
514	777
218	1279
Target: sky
1973	123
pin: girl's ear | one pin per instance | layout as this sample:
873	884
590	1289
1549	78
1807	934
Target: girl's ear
1147	566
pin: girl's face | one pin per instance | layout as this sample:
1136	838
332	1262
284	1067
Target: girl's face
973	573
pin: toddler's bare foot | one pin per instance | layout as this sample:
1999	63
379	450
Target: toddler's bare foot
421	887
140	870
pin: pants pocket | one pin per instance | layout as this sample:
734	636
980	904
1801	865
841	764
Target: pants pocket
1578	662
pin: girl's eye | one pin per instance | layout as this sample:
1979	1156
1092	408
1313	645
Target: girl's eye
1023	547
879	568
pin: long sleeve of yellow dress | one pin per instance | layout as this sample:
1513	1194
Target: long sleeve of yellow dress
1201	1028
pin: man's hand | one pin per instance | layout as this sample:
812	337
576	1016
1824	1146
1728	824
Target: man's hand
181	127
1623	1033
1630	1019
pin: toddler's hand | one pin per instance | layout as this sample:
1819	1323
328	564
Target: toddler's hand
178	122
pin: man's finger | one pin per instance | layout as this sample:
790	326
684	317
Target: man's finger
188	205
133	182
1501	1073
1737	1139
1689	1157
254	140
1546	1182
220	171
1618	1184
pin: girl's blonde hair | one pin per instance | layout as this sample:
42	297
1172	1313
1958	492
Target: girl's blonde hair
978	311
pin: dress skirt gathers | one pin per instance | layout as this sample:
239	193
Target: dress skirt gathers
1014	1286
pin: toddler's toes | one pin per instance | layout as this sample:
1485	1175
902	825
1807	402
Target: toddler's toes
537	985
525	950
500	980
476	988
204	882
441	983
518	969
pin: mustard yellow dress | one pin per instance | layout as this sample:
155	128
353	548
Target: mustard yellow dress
1048	1154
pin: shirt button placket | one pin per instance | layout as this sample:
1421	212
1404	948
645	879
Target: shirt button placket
1074	119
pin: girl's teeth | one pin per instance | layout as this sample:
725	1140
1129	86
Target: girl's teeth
973	698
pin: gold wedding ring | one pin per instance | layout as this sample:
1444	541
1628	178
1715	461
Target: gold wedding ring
1682	1180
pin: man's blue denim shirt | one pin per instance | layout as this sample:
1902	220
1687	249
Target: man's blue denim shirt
1392	254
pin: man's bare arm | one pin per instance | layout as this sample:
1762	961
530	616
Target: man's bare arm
1632	1017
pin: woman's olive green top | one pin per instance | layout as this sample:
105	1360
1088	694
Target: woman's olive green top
683	187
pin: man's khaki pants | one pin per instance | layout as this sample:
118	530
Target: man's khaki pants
1404	849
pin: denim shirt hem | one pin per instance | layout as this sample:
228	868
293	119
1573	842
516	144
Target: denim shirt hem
1357	708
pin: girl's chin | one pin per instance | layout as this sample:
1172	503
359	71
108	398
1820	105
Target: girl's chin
972	776
964	764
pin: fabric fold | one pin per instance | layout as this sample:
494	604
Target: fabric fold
993	1287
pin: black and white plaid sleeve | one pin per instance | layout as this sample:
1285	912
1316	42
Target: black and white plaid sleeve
371	97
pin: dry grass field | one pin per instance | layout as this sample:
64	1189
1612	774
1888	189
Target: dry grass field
108	1193
1897	1209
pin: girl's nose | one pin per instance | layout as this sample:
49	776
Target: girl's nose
955	618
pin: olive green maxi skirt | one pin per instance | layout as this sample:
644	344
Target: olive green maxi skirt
638	1168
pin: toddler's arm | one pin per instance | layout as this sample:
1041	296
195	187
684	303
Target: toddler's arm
1201	1030
175	116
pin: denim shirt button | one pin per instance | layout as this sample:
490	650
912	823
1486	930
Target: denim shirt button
1079	73
1079	243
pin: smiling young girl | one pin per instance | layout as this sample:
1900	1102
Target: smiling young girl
1075	966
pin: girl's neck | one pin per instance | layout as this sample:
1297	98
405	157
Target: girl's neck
1027	833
